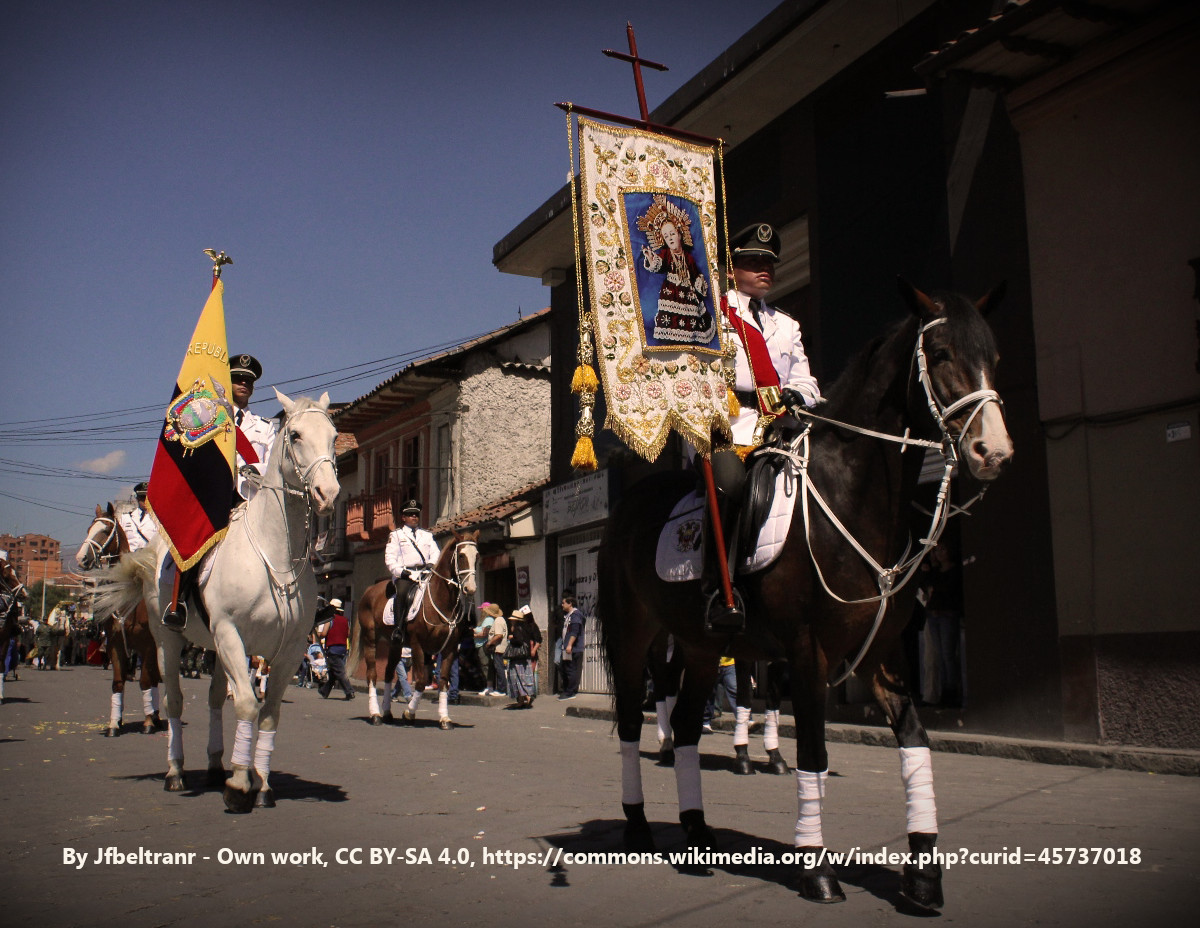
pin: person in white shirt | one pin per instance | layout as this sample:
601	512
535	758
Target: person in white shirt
411	552
244	370
138	525
770	359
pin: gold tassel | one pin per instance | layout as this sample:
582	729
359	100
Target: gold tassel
584	457
735	408
584	380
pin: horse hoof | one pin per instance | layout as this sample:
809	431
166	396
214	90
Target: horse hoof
818	883
237	801
699	835
111	732
821	887
148	727
445	724
265	799
776	764
921	883
174	783
742	766
376	720
409	715
666	758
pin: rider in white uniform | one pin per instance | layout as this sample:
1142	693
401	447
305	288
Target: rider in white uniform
244	370
410	551
138	525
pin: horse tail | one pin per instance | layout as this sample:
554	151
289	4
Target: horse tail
126	582
356	646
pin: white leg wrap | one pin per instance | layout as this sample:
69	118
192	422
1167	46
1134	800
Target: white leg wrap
117	710
263	749
663	712
216	737
148	701
916	770
154	699
631	773
373	702
174	740
242	739
771	730
415	701
741	725
444	704
810	791
687	778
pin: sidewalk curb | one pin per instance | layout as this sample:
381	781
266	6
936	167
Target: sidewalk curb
1058	753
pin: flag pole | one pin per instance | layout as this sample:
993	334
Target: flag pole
218	259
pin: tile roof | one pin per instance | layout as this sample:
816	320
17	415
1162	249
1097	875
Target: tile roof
494	511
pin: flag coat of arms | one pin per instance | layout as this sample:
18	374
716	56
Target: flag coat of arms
649	227
192	479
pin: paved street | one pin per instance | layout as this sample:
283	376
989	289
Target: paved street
535	782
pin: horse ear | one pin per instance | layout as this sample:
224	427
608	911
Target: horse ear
919	304
286	403
990	300
323	402
99	511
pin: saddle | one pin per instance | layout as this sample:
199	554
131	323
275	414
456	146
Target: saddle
762	472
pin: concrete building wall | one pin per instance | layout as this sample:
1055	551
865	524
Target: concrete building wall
1113	200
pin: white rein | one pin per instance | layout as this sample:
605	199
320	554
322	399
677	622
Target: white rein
460	577
798	454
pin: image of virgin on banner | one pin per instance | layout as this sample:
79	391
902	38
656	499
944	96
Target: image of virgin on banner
672	271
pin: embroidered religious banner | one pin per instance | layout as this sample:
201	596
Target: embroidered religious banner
649	238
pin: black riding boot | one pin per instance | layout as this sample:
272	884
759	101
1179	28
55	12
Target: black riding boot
400	611
177	618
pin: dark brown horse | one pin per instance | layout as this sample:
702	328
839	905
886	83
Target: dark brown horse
436	630
838	589
125	636
12	594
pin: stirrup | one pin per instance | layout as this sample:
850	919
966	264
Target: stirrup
175	619
722	619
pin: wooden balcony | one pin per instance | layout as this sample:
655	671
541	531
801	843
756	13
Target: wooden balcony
371	516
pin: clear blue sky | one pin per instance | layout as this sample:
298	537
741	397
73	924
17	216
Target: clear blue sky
358	160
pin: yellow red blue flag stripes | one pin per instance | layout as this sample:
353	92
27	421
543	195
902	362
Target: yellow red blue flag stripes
192	480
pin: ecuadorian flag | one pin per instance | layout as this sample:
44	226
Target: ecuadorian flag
192	480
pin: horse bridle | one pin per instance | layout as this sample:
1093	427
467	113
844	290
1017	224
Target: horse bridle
99	547
305	476
798	453
460	577
11	590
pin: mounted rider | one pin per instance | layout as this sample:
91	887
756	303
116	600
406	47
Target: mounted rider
254	439
138	525
411	553
770	359
259	433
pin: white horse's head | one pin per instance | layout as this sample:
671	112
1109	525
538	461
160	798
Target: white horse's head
308	434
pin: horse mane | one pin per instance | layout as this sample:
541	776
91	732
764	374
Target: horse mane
857	385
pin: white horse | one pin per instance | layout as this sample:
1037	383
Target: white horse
260	594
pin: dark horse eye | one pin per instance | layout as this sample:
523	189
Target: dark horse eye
293	436
941	356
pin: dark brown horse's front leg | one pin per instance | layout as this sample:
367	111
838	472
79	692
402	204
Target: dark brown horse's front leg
817	880
921	881
120	669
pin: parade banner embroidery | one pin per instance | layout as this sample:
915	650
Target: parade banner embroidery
192	479
649	230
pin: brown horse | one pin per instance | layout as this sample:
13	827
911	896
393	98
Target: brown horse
125	636
441	621
12	594
826	598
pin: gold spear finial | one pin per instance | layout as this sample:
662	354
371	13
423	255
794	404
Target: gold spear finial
218	259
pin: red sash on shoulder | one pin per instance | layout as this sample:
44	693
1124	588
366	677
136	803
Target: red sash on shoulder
765	374
244	448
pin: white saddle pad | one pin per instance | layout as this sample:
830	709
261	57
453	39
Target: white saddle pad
679	558
389	609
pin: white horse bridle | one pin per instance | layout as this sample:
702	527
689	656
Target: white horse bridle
460	577
97	547
798	454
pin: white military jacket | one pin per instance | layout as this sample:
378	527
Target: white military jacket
782	334
410	549
139	527
261	434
